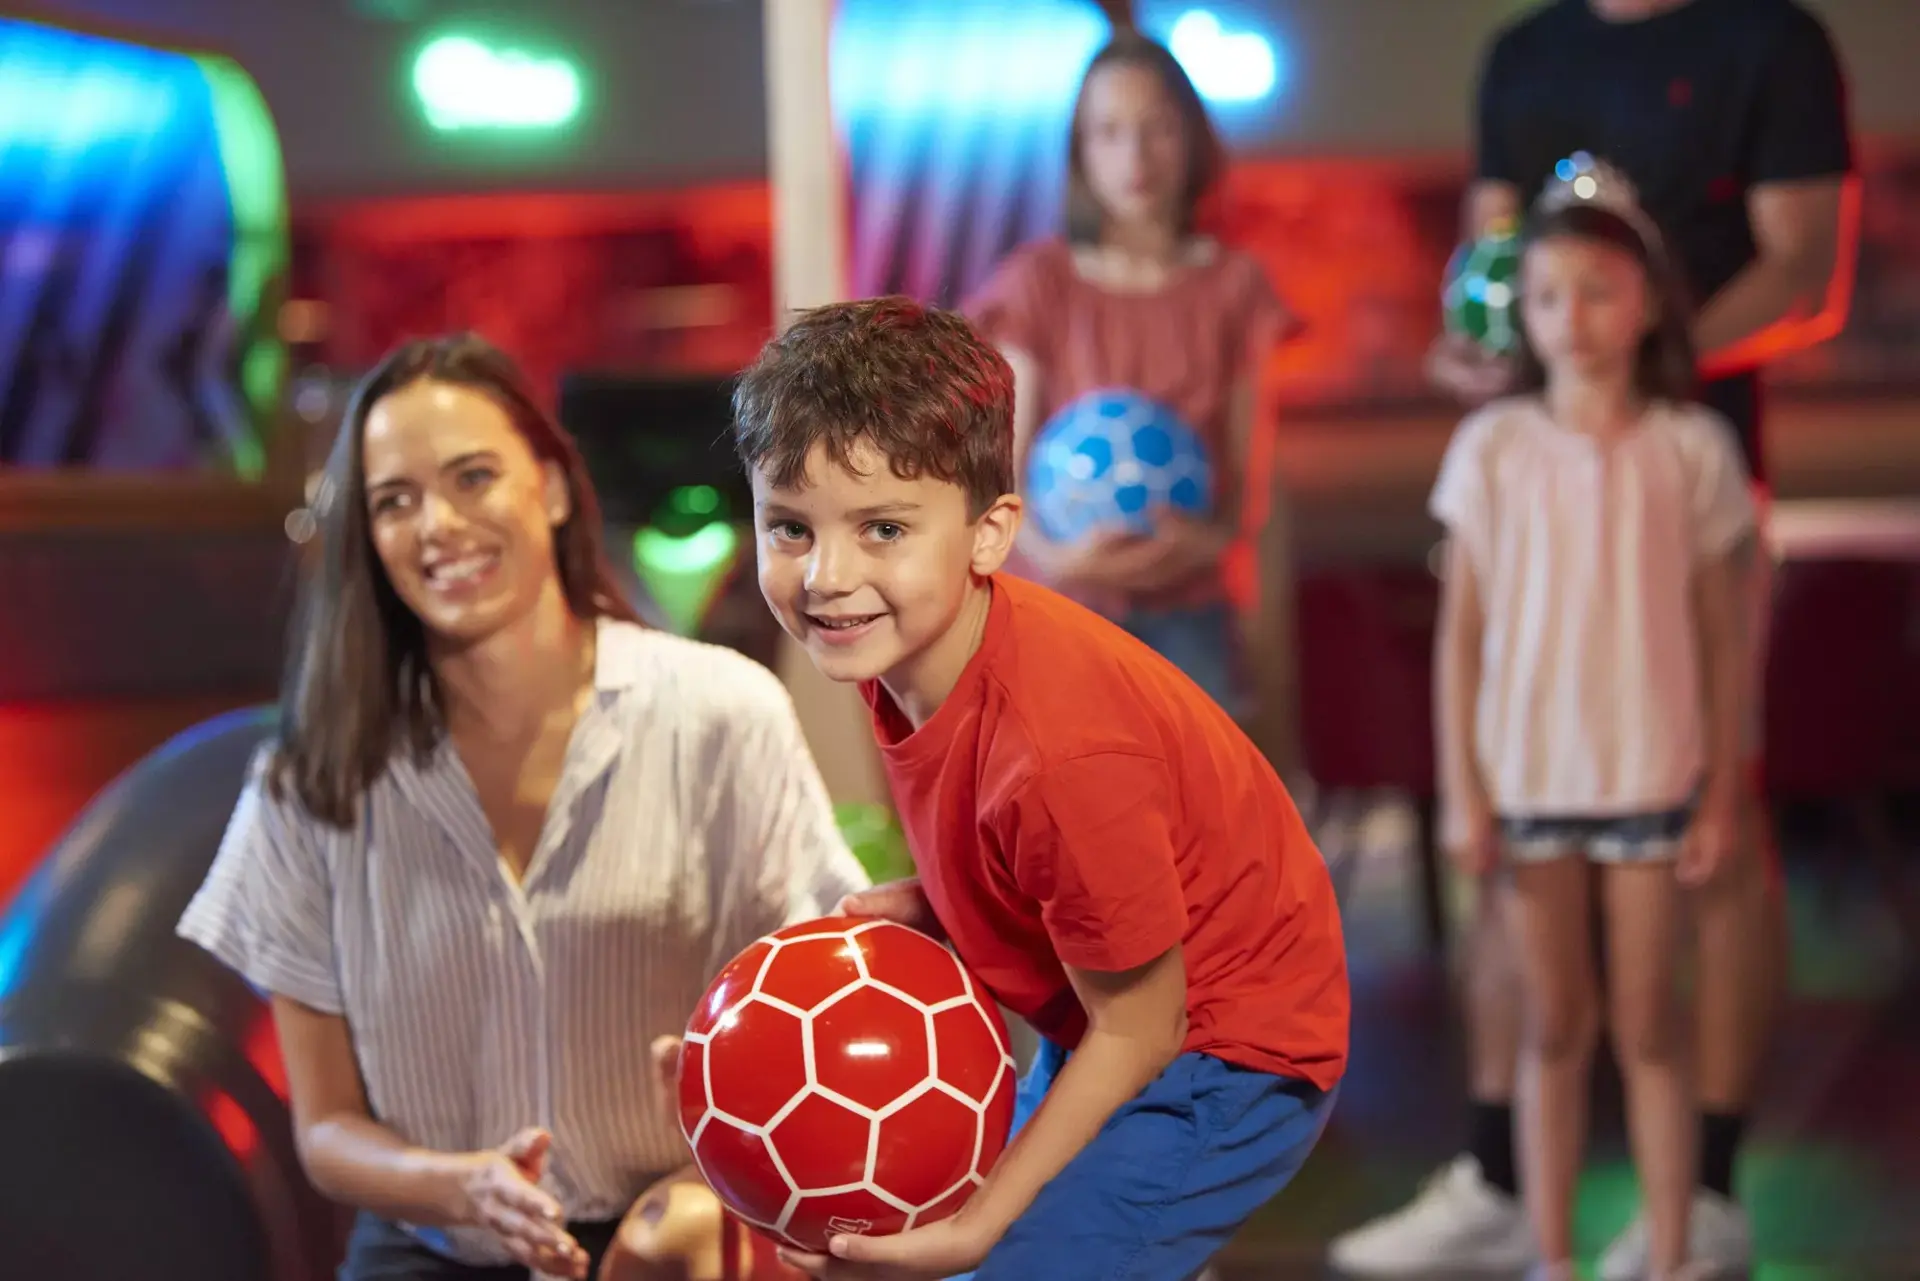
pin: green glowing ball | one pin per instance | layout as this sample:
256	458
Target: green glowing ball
1481	297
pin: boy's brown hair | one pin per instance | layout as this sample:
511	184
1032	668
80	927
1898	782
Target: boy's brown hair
915	382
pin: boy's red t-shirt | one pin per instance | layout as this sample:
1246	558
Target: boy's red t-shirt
1077	800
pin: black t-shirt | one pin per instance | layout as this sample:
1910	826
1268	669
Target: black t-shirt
1698	105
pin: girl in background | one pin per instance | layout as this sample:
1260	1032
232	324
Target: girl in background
1134	297
1589	683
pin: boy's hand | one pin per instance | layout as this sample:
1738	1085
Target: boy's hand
940	1249
902	902
1713	840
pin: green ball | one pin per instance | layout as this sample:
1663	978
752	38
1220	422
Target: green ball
1481	296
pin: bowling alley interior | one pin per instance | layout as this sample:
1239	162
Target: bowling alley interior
218	220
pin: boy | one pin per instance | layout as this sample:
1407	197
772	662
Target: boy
1104	848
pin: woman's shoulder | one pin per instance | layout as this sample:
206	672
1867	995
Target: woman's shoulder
690	678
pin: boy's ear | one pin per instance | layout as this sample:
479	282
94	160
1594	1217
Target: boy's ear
994	532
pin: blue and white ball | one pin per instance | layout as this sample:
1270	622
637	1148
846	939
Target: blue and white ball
1107	462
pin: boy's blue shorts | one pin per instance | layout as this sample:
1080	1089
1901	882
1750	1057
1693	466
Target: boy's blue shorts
1168	1179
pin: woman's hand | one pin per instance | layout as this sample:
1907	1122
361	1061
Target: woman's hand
500	1191
902	902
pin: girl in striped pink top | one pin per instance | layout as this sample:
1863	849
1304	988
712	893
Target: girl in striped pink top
1134	297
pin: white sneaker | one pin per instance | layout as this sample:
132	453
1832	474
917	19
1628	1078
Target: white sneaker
1719	1237
1458	1222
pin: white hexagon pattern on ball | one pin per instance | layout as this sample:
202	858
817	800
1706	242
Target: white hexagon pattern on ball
850	1121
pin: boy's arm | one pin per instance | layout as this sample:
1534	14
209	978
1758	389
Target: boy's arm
1136	1024
1091	840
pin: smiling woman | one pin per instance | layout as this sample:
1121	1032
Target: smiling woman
502	843
451	504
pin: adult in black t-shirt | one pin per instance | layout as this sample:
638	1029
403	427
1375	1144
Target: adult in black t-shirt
1730	118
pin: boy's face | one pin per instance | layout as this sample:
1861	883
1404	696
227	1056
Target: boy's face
870	572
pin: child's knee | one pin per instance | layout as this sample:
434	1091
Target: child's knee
1647	1033
671	1223
1564	1030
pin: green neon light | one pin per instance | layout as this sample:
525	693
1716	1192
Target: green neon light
257	196
684	573
463	84
695	500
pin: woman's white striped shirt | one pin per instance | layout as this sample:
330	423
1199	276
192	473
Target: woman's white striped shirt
688	821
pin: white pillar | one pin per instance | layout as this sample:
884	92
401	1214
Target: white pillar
810	269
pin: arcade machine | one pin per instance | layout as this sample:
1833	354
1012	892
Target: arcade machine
142	209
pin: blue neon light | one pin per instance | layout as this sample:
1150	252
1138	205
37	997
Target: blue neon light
1225	66
1020	62
912	61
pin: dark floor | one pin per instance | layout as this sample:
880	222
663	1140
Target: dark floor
1831	1175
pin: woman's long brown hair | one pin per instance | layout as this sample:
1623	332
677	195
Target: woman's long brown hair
357	683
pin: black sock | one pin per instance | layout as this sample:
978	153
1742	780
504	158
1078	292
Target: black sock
1490	1141
1720	1134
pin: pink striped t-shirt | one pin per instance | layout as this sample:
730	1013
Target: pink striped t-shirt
1187	346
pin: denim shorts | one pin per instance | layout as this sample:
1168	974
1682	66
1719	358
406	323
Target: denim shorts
1628	838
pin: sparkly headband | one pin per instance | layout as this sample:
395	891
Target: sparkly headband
1580	179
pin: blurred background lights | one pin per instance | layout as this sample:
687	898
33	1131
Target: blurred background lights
1238	66
464	84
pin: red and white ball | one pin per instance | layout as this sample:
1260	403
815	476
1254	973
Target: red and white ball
845	1076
